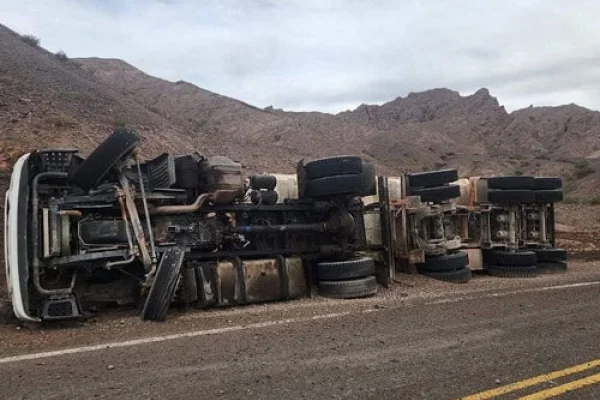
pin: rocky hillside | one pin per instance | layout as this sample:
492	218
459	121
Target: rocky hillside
45	101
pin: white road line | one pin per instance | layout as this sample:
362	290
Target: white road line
135	342
216	331
508	293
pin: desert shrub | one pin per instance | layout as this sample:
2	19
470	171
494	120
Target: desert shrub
63	121
119	123
439	165
31	40
595	201
61	56
582	169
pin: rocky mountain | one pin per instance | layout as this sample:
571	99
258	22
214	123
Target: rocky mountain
46	101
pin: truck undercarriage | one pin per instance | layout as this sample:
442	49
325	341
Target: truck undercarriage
111	230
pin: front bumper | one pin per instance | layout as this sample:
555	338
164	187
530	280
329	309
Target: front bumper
15	240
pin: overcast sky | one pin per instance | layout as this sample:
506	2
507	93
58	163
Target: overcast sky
334	55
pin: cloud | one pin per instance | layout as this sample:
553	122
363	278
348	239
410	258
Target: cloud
335	55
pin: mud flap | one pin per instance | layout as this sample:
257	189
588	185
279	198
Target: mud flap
385	271
165	283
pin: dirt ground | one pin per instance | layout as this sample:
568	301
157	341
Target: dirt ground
578	230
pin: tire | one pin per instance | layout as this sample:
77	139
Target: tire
350	289
163	288
446	262
511	182
514	271
548	196
333	166
437	194
462	275
432	178
267	182
116	147
358	267
509	258
547	183
556	267
510	196
550	255
336	186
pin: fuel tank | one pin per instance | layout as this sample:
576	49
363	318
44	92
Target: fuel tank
256	281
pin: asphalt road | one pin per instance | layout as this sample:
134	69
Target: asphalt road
406	344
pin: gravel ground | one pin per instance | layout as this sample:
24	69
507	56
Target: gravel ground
428	340
407	290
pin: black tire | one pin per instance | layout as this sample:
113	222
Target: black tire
358	267
332	166
437	194
350	289
511	182
368	177
163	288
267	182
514	271
432	178
556	267
335	186
510	196
508	258
103	159
550	255
462	275
548	196
547	183
446	262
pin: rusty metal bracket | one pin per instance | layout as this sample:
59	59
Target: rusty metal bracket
240	281
283	276
136	224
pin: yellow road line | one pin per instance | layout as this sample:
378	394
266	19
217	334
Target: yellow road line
567	387
488	394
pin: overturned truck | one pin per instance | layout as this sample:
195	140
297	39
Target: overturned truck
111	229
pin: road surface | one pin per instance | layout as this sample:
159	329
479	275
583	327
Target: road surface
491	338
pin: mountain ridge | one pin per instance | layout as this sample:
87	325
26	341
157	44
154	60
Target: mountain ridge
46	102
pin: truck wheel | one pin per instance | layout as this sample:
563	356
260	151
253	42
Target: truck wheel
550	255
163	288
509	258
510	196
445	262
548	196
511	182
513	271
547	183
437	194
358	267
349	289
462	275
432	178
332	166
336	186
116	147
556	267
